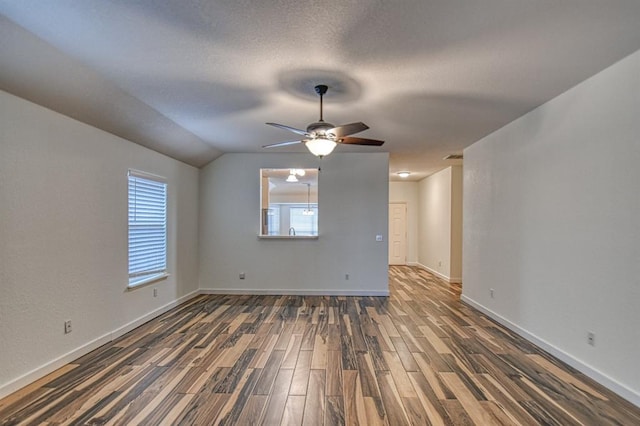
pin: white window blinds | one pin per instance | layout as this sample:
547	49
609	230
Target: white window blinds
147	227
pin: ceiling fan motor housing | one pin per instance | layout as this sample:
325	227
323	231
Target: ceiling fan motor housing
319	129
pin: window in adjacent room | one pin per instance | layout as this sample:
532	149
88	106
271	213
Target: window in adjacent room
289	203
147	228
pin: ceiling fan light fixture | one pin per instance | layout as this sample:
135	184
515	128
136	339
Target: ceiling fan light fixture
320	146
404	174
322	137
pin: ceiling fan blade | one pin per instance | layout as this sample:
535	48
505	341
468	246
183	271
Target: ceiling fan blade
361	141
291	129
281	144
348	129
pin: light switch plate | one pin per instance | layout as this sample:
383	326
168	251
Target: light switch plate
379	237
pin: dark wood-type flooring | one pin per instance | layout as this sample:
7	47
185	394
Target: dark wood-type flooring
418	357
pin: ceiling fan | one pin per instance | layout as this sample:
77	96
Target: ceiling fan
322	137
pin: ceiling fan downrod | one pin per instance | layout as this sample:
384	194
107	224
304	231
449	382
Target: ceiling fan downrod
321	89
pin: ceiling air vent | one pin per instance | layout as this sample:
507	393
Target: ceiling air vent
453	157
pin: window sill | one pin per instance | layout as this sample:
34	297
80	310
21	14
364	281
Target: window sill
288	237
148	281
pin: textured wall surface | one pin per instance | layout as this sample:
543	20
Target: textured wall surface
353	194
551	208
63	236
434	226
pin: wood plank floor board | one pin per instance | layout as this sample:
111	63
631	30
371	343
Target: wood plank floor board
232	410
334	412
430	402
278	397
391	399
314	407
415	411
269	373
292	351
457	414
300	379
252	410
334	374
506	401
354	408
419	356
293	411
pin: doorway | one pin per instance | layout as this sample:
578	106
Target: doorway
397	233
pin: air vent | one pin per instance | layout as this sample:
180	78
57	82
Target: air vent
453	157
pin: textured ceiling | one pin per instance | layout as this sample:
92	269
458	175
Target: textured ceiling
194	79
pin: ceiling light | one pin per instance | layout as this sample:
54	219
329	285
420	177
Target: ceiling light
320	146
403	174
292	178
300	172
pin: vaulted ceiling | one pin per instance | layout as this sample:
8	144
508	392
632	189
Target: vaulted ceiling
195	79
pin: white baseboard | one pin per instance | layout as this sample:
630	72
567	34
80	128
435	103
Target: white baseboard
51	366
151	315
293	292
606	381
64	359
451	280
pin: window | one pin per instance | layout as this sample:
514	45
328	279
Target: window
273	221
147	228
304	219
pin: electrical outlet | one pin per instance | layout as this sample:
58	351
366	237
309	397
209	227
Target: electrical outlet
242	275
379	237
67	327
491	292
155	292
591	338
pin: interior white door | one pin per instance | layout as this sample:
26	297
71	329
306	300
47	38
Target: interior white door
397	234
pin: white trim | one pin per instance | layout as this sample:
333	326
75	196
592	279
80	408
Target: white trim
146	175
150	280
151	315
288	237
53	365
456	280
293	292
606	381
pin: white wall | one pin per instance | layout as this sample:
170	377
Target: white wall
437	222
455	271
407	192
551	222
63	238
353	208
